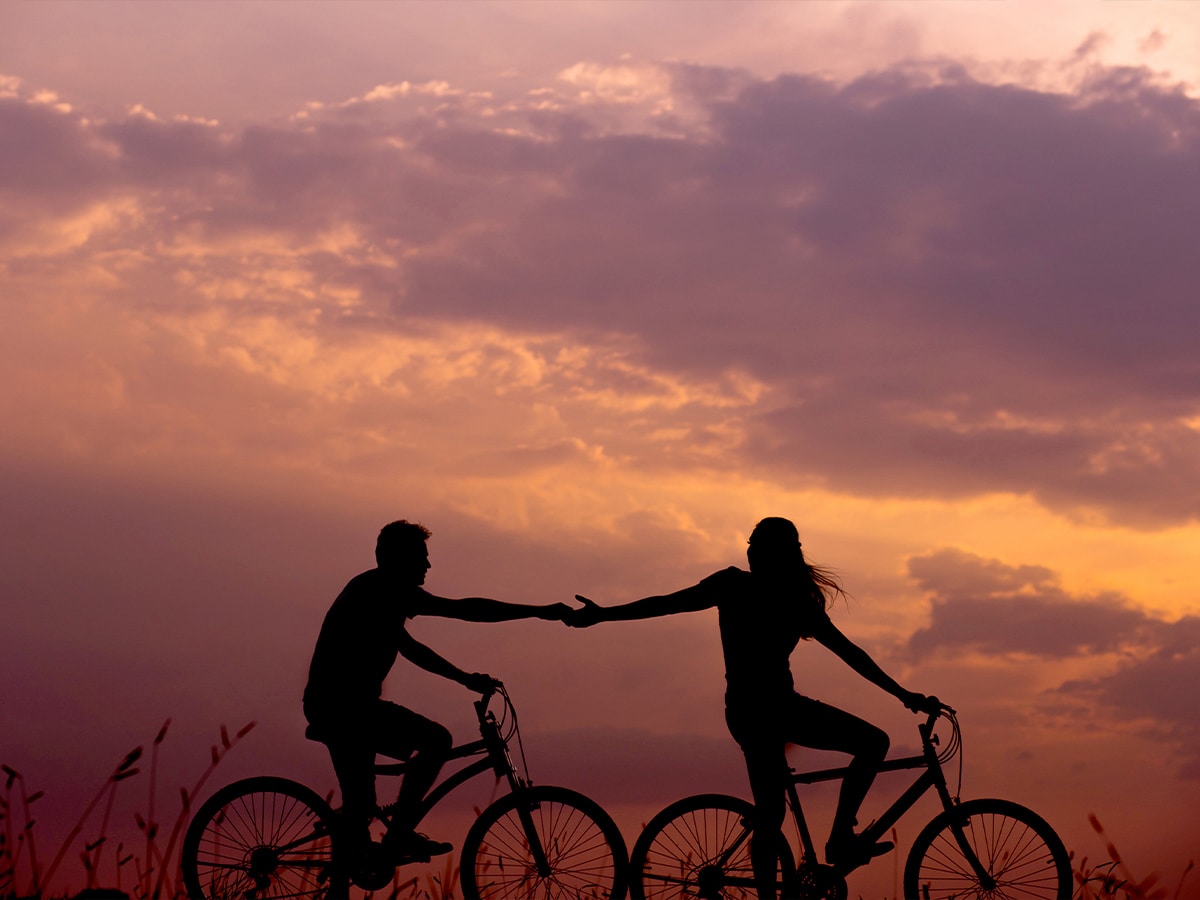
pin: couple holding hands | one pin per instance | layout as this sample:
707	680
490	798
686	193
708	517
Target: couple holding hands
763	614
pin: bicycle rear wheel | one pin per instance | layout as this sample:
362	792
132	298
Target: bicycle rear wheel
260	839
699	848
583	852
1018	850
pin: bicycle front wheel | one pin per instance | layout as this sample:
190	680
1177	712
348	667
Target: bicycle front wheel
1018	853
260	839
699	848
543	843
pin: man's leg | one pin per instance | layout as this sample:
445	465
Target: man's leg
353	763
401	733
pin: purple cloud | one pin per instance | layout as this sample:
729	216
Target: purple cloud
1159	688
946	287
986	606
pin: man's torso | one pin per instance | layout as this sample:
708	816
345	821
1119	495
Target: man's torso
357	645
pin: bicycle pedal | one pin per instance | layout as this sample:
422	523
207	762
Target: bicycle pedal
404	859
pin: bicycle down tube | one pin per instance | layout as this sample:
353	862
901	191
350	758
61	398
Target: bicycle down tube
932	777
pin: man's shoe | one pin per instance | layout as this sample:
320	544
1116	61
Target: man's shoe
852	852
415	847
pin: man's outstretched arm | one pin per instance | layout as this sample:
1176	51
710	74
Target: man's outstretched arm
482	609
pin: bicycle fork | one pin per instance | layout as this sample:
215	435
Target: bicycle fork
502	765
986	881
934	774
540	860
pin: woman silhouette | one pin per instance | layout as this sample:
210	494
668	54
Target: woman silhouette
763	614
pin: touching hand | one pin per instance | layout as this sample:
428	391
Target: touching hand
556	612
589	614
480	683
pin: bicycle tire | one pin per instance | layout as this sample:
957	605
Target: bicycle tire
678	854
584	848
1016	846
261	838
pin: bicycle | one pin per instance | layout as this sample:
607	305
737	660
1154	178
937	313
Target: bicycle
270	837
698	847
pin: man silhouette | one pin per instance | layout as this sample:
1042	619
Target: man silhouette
363	632
763	615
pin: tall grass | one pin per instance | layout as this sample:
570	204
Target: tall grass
443	886
1112	878
155	864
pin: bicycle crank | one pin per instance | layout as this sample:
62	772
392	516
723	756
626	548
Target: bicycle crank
376	870
817	882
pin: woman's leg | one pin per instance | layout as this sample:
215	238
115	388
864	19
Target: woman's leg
766	765
757	733
824	727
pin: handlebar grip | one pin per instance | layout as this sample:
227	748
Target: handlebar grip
485	697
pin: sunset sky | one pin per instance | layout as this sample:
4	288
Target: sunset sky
588	289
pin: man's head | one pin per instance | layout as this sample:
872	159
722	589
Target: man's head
400	550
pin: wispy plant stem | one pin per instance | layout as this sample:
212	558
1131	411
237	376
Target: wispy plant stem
216	755
123	771
74	833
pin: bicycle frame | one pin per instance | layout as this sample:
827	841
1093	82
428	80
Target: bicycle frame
932	777
492	747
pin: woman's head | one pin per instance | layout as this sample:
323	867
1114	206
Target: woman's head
774	551
774	546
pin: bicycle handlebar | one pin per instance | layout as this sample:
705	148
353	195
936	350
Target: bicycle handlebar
941	709
485	697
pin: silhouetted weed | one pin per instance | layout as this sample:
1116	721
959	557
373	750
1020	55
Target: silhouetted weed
1112	879
157	869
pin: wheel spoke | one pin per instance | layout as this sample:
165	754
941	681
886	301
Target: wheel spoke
698	848
1015	847
261	839
582	850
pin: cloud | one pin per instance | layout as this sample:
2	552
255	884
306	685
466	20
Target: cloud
989	607
1149	665
1158	687
934	286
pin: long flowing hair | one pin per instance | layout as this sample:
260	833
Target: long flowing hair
826	586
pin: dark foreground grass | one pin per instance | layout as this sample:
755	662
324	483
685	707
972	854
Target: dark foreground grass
148	871
1113	879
